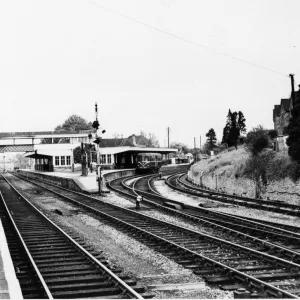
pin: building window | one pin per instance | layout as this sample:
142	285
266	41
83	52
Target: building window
68	160
109	158
57	160
62	160
103	159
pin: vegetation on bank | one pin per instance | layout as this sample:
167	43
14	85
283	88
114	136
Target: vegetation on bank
263	167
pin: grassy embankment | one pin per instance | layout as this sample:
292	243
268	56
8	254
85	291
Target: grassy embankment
232	168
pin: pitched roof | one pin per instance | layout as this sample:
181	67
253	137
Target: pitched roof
116	143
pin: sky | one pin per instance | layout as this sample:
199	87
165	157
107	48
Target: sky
149	64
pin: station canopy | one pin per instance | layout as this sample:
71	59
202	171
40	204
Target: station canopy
116	150
48	153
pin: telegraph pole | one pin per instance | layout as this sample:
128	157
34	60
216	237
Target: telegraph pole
293	89
168	130
195	149
200	149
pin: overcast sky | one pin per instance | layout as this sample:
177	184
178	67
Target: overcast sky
59	57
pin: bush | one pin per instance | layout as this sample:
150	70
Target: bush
294	171
256	169
279	168
271	166
257	140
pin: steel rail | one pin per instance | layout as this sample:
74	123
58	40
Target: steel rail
126	288
47	291
293	255
233	273
240	275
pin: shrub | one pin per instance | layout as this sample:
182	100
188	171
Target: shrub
257	140
294	171
279	168
256	169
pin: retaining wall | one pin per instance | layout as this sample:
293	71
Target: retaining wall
285	189
69	183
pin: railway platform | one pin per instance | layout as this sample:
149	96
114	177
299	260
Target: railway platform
75	181
9	284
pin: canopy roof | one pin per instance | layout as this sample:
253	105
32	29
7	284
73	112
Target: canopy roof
48	153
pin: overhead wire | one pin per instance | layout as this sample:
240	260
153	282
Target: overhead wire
188	41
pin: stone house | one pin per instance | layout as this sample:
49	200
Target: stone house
281	118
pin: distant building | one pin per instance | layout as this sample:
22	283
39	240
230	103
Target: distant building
281	118
53	151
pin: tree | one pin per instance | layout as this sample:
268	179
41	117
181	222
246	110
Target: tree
241	122
77	155
148	140
74	123
180	146
257	140
227	127
153	141
211	138
21	162
257	143
90	150
293	140
256	168
235	125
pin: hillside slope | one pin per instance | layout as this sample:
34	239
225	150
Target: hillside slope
223	173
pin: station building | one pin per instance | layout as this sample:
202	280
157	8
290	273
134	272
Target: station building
53	151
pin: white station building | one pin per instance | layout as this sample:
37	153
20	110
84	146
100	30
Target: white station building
53	151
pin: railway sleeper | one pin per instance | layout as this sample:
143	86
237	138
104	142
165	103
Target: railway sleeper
57	255
232	287
44	240
50	251
49	246
88	293
203	271
217	279
66	268
222	258
60	259
280	275
285	283
76	280
256	268
71	274
79	286
60	264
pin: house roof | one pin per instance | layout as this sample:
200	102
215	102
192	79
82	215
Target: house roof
116	143
131	141
115	150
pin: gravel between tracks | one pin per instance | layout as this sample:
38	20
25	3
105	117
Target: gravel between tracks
150	267
241	211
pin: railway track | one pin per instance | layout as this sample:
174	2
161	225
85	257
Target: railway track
220	261
278	239
181	183
62	267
